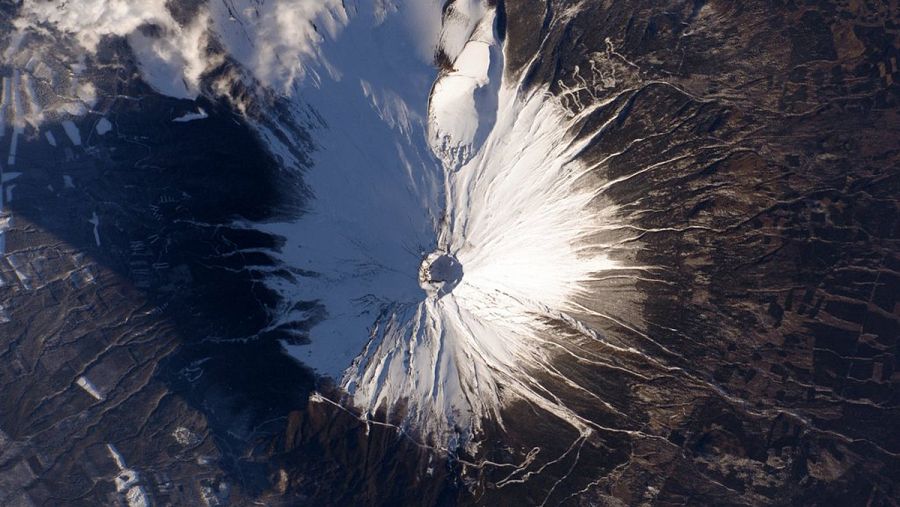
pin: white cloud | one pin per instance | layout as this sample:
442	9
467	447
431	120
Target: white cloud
171	60
276	41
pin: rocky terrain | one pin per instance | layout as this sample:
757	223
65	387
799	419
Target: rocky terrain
751	150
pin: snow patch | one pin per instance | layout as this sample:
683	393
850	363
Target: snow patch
72	132
5	97
89	387
95	220
18	109
35	114
9	176
103	126
5	223
199	115
127	481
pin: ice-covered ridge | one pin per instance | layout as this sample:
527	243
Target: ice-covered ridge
462	104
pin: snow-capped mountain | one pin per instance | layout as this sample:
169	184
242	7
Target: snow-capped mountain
465	160
541	251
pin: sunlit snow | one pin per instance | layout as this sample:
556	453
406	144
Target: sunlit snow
510	208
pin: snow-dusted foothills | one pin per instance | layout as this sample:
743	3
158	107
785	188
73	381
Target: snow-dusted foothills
453	227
